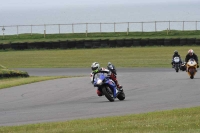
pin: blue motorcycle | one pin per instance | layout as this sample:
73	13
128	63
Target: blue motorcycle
177	63
108	88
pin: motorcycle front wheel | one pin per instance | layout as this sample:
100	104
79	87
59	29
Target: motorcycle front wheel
192	72
108	93
176	67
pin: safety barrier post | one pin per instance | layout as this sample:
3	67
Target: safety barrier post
100	27
59	28
72	28
128	29
114	27
17	30
3	29
31	30
142	26
196	25
44	30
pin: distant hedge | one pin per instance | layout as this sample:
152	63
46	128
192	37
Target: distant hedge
68	44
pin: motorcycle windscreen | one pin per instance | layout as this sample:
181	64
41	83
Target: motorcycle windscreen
99	77
176	59
191	62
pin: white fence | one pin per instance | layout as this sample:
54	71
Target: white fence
99	27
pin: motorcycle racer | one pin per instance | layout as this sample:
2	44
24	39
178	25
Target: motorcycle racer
190	55
175	55
97	69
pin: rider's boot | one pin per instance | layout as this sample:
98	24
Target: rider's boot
118	86
99	93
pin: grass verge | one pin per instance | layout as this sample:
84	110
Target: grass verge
182	120
10	82
173	121
77	58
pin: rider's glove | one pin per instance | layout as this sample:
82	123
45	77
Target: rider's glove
95	85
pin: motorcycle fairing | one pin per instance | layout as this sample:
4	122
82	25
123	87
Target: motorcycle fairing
108	81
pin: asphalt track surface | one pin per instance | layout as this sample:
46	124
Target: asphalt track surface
146	89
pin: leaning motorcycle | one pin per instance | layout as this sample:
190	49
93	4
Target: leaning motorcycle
177	63
191	68
108	88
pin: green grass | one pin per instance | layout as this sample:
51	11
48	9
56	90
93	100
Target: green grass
79	58
10	82
92	36
173	121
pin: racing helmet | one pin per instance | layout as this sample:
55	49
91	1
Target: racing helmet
112	68
190	51
176	52
95	66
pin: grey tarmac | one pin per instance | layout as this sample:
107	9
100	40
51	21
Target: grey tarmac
146	89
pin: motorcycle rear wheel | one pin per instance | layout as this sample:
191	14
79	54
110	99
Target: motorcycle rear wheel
121	96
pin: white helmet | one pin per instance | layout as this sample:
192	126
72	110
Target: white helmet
190	51
95	66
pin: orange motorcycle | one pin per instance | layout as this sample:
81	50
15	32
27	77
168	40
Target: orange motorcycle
191	68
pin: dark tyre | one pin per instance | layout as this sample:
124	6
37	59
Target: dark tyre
121	96
108	93
176	67
191	70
